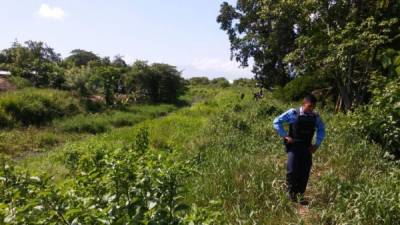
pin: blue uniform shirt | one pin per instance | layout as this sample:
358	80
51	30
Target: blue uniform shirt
290	116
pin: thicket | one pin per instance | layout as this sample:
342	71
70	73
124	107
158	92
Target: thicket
88	75
336	40
350	183
22	141
220	82
216	82
380	119
298	88
199	81
244	82
36	106
133	184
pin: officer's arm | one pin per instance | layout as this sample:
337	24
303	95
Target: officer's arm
320	131
283	118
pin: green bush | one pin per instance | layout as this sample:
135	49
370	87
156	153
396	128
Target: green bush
131	185
38	106
380	120
268	110
298	87
244	82
20	82
94	106
199	81
48	139
5	119
220	82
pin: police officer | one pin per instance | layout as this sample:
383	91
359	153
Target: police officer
298	142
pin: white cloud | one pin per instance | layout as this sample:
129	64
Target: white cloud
51	12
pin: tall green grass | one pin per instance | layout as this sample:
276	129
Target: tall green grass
102	122
36	106
237	163
23	141
241	163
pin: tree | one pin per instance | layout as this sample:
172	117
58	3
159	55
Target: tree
156	83
341	41
107	80
244	82
220	82
119	61
199	81
171	84
338	39
78	79
35	61
264	31
80	58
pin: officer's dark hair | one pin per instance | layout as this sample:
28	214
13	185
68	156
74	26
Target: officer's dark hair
310	98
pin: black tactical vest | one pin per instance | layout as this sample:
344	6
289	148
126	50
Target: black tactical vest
303	129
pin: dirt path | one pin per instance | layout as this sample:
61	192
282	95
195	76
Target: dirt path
305	213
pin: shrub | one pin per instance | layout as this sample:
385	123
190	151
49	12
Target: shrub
38	106
93	105
220	82
20	82
110	186
298	87
381	119
199	81
244	82
48	139
268	110
5	119
157	82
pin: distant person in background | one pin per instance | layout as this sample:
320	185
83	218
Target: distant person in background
298	142
259	95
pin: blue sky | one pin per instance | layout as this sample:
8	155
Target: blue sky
179	32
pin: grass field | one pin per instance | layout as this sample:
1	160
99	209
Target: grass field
66	120
222	158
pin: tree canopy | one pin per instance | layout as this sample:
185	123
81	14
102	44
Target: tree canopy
337	39
87	74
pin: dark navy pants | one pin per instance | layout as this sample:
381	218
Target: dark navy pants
298	170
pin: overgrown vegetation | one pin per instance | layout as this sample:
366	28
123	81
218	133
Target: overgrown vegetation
380	120
36	107
112	153
90	76
211	173
106	186
19	141
337	40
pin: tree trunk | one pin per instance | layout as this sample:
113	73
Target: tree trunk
343	92
338	105
345	97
